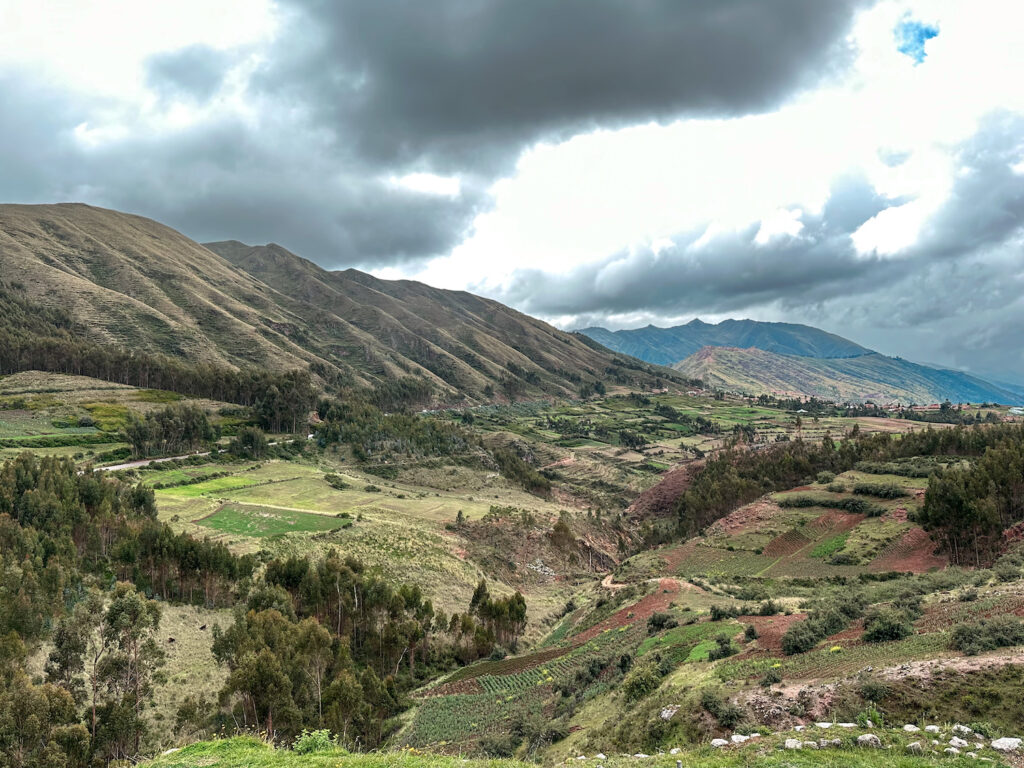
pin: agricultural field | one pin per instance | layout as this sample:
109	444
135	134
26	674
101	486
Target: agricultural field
76	416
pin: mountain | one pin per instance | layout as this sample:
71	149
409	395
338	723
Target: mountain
131	282
666	346
867	377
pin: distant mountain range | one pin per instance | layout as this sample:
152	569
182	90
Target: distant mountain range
130	282
667	346
784	358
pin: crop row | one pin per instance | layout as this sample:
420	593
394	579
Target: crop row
837	661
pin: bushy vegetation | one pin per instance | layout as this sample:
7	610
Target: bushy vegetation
824	620
987	635
851	505
879	490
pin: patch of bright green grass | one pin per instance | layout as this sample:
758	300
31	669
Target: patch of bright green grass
268	521
829	547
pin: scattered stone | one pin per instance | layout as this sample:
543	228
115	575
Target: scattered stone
641	756
847	725
962	730
173	749
935	742
978	745
719	743
972	754
581	757
957	742
911	728
869	740
868	724
669	712
826	743
738	738
810	745
951	751
826	726
600	756
915	748
675	751
932	728
1006	744
793	744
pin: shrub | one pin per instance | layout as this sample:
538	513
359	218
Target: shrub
987	635
723	649
718	613
750	632
886	625
881	490
659	621
641	680
771	677
824	478
726	713
769	608
837	487
314	741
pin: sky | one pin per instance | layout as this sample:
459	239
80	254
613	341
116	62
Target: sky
856	165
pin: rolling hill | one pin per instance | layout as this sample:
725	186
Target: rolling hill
866	377
130	282
667	346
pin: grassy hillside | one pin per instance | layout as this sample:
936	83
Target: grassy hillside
868	377
666	346
129	282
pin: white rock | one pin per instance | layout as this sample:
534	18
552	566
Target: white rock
719	743
869	740
868	724
911	728
798	728
847	725
1006	744
669	712
825	743
951	751
978	745
581	757
957	742
915	748
972	754
810	745
675	751
932	728
600	756
171	751
935	742
826	726
962	730
793	744
641	756
738	738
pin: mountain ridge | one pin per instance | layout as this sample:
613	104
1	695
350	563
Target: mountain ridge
135	283
667	346
873	377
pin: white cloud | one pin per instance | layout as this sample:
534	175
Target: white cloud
609	192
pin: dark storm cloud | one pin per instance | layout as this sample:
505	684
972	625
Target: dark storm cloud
196	72
470	81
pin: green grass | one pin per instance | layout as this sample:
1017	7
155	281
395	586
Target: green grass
248	752
829	547
268	521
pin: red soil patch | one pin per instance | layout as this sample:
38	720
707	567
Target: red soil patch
833	522
770	629
470	685
631	614
914	552
852	632
566	462
788	543
675	556
899	514
660	501
944	615
745	518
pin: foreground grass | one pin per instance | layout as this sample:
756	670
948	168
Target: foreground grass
245	752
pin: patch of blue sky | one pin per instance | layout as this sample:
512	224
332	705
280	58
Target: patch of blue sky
911	37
